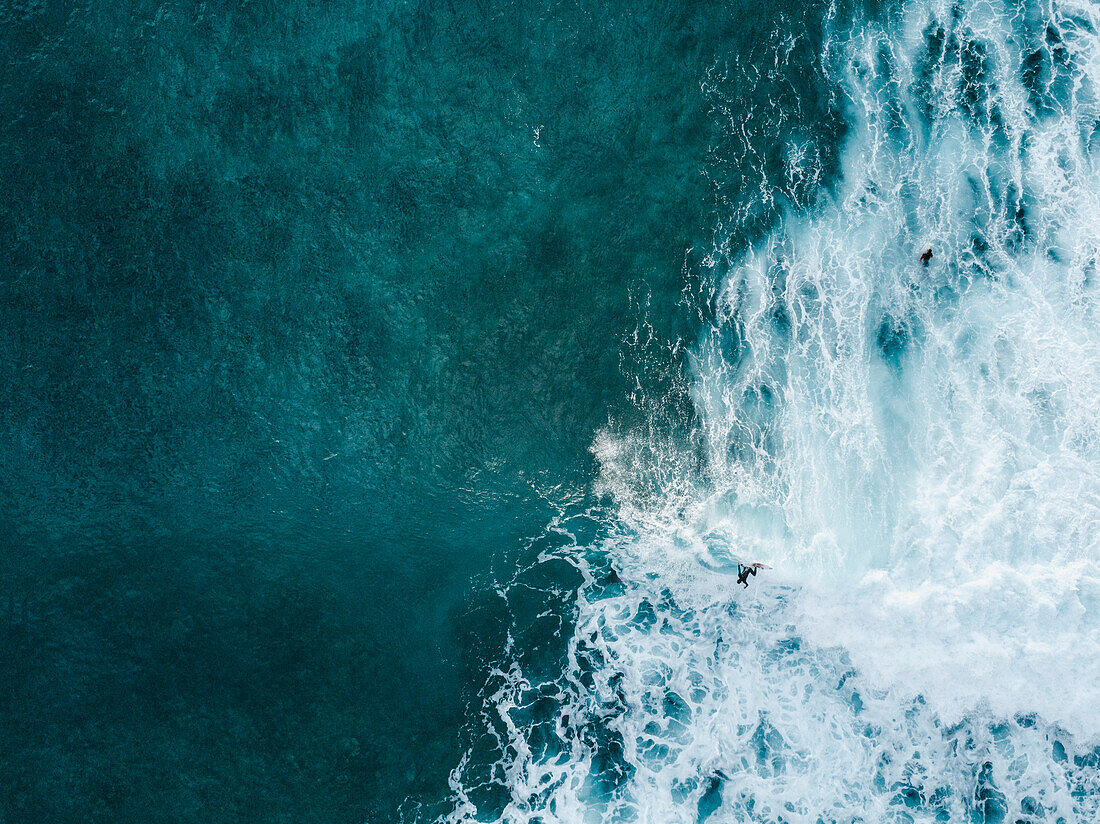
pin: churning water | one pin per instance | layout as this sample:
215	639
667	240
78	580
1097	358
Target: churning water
915	451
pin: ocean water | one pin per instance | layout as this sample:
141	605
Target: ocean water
390	391
309	314
913	451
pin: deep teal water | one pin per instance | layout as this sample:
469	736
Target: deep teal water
309	315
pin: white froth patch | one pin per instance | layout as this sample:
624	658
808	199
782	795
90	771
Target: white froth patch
1010	641
927	464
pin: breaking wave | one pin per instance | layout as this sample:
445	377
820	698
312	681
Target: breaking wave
914	450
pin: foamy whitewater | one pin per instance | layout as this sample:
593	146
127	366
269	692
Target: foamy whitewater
914	451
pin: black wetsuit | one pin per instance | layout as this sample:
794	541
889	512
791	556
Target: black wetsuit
743	574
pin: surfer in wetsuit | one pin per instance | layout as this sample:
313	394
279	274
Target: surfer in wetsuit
926	257
743	573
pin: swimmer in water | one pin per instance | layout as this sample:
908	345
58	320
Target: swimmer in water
926	257
743	573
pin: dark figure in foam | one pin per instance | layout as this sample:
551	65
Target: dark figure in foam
743	573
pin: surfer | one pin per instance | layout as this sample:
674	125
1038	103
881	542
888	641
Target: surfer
743	573
926	257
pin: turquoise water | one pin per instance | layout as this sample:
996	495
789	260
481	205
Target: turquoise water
390	391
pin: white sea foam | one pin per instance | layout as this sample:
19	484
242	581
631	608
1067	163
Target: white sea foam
916	453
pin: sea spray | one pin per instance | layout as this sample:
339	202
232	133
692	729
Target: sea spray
914	449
